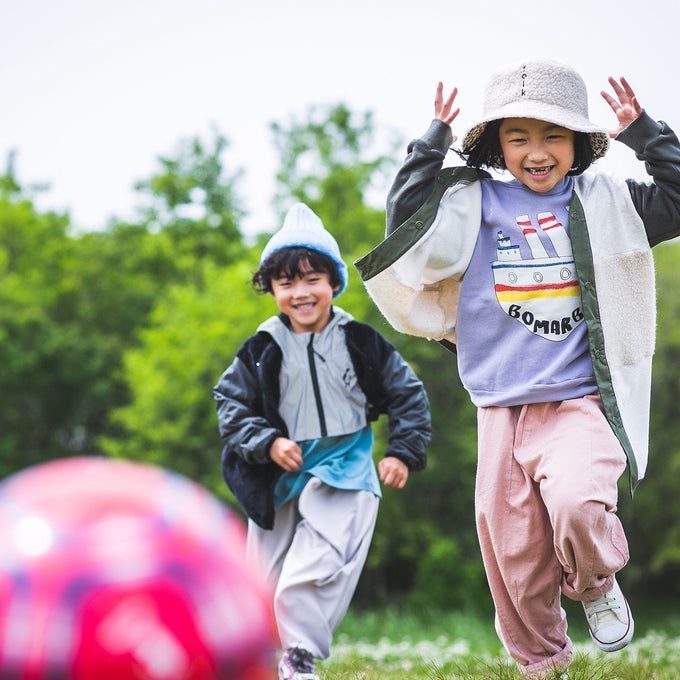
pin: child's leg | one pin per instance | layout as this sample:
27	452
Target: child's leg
515	537
322	567
547	469
266	549
578	481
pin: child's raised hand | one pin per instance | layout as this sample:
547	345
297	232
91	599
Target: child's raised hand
393	472
627	108
443	109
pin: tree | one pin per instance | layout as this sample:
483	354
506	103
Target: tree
70	306
193	336
330	161
9	186
193	200
46	359
652	517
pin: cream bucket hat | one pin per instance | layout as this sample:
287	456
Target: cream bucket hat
541	89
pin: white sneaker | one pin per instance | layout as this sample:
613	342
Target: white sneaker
610	621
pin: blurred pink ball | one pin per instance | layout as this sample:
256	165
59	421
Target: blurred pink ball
112	569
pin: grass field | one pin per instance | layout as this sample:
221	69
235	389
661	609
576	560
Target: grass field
397	645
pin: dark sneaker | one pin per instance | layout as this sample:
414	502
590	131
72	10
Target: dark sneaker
610	621
297	664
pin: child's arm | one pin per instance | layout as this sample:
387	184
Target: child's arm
415	180
243	427
409	420
657	203
392	387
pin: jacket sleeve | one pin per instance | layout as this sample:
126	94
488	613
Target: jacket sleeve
416	177
391	387
408	412
658	202
243	427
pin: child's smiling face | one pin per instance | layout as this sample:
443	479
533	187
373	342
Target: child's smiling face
305	299
537	153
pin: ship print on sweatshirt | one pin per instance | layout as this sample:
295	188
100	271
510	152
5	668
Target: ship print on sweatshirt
541	293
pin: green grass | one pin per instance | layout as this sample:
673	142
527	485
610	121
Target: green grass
427	645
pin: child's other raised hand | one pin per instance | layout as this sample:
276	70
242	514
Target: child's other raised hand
627	108
443	110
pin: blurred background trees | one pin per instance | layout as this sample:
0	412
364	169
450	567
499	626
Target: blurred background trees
111	341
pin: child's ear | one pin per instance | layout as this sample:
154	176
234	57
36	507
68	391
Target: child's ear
336	287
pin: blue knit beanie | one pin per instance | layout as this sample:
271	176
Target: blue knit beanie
303	229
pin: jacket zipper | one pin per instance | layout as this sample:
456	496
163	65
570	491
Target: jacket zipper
315	385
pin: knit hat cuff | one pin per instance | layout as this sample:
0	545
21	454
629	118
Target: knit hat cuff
302	228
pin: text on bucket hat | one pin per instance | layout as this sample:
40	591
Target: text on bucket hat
302	228
542	89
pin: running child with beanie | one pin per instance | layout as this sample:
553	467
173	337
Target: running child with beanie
544	287
294	411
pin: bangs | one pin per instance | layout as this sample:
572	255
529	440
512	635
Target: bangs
289	263
297	262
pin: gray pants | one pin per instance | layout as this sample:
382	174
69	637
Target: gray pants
313	559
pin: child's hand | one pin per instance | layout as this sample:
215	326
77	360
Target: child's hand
627	108
393	472
286	453
442	109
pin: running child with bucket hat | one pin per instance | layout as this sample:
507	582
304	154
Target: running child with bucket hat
543	285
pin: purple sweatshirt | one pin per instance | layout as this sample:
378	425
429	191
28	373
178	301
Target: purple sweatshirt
520	331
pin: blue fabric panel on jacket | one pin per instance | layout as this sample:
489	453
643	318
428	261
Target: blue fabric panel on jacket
343	462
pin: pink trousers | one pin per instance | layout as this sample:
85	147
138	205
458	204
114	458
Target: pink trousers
545	498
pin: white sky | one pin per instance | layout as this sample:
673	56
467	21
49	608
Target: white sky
93	91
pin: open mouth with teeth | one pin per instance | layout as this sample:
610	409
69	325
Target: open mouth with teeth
539	172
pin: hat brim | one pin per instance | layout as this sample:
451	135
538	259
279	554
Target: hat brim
599	137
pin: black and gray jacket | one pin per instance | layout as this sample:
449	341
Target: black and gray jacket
247	399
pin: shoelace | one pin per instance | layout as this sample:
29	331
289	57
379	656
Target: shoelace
602	604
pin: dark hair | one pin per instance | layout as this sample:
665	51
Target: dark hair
487	152
583	153
291	262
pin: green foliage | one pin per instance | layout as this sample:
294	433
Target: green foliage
70	307
9	186
329	161
653	517
450	579
45	353
193	335
193	200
